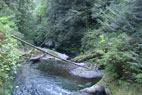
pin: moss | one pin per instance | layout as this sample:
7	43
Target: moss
121	87
89	56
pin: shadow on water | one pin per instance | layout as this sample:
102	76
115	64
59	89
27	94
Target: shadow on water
32	81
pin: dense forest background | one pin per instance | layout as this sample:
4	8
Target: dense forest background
110	28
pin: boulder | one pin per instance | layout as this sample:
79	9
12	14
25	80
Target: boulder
97	90
85	73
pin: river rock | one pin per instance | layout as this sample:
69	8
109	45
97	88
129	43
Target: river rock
86	73
97	90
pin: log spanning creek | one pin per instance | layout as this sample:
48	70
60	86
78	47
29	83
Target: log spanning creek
51	76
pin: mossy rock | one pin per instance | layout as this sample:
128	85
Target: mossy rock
123	88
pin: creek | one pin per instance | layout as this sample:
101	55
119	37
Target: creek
49	80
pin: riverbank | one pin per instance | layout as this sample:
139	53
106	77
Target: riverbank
120	87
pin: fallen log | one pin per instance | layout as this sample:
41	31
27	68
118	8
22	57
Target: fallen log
88	56
35	59
38	48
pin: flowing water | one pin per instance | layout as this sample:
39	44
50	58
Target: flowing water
31	81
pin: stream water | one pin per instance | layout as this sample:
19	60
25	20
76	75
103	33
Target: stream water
31	81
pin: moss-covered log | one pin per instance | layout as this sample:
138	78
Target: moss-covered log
87	57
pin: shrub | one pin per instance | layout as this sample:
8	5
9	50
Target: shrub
9	55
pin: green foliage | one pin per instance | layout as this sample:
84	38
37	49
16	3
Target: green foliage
9	55
118	34
41	27
42	10
67	22
31	18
